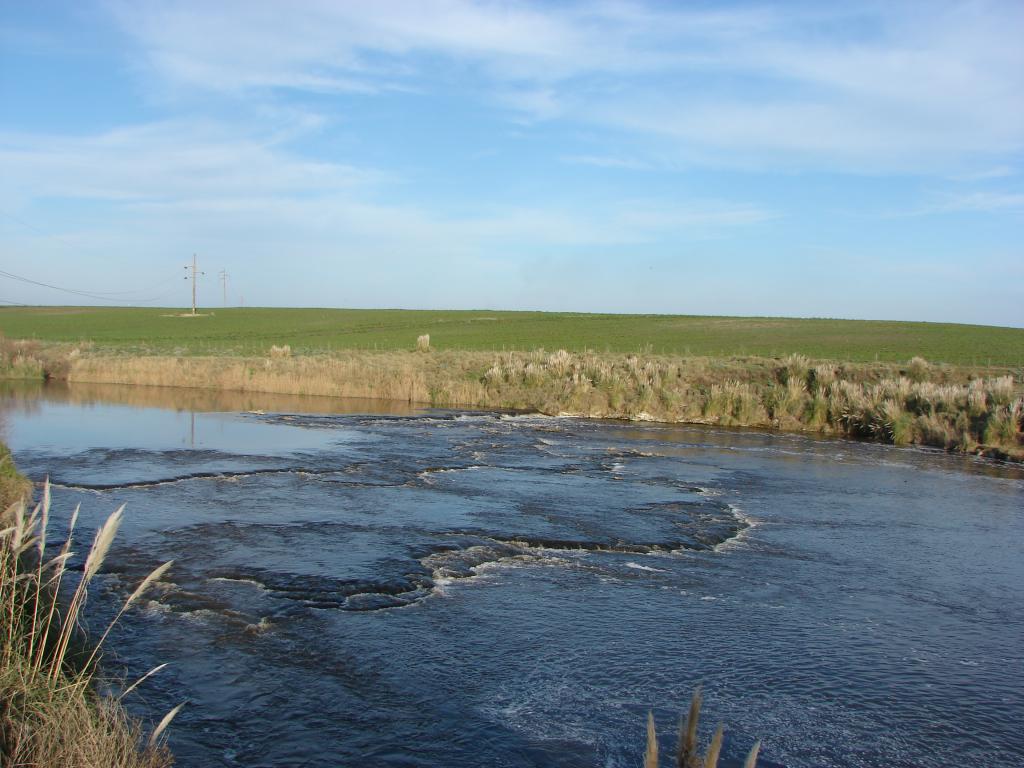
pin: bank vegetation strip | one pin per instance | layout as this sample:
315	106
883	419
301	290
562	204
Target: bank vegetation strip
961	408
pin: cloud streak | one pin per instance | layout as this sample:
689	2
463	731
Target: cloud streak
167	161
876	88
208	175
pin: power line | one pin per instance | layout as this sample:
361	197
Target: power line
30	281
88	294
98	295
147	289
50	235
24	223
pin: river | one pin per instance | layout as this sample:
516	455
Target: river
370	584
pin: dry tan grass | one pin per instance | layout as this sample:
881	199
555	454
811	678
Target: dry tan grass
44	725
387	376
50	714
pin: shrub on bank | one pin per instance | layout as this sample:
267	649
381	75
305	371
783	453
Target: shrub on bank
20	359
31	360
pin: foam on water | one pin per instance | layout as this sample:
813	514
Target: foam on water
638	567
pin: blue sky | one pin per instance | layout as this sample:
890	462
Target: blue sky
812	159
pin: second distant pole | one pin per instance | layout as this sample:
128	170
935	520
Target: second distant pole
224	284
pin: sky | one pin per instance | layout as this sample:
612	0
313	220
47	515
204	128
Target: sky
858	160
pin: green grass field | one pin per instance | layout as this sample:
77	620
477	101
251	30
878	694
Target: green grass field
254	330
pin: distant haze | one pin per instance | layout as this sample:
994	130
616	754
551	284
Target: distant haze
794	158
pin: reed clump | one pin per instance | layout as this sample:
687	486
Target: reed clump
33	360
50	712
918	369
687	752
284	350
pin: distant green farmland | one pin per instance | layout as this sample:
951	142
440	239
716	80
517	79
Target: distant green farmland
252	331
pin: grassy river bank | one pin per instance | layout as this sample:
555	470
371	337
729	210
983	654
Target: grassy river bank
957	387
960	408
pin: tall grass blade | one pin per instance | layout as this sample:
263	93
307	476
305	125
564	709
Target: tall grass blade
155	576
141	680
101	545
55	583
651	755
93	561
44	520
686	754
714	748
751	761
162	725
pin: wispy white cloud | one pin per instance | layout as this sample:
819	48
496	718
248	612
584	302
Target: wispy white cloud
234	45
532	104
912	86
977	202
607	161
167	161
980	201
240	185
986	174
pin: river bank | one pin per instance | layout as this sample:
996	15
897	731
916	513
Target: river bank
958	408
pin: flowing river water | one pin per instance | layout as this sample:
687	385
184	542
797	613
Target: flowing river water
368	584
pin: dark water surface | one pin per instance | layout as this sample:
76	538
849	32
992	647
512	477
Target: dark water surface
383	586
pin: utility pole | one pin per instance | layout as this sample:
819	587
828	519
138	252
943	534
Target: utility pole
224	284
195	274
